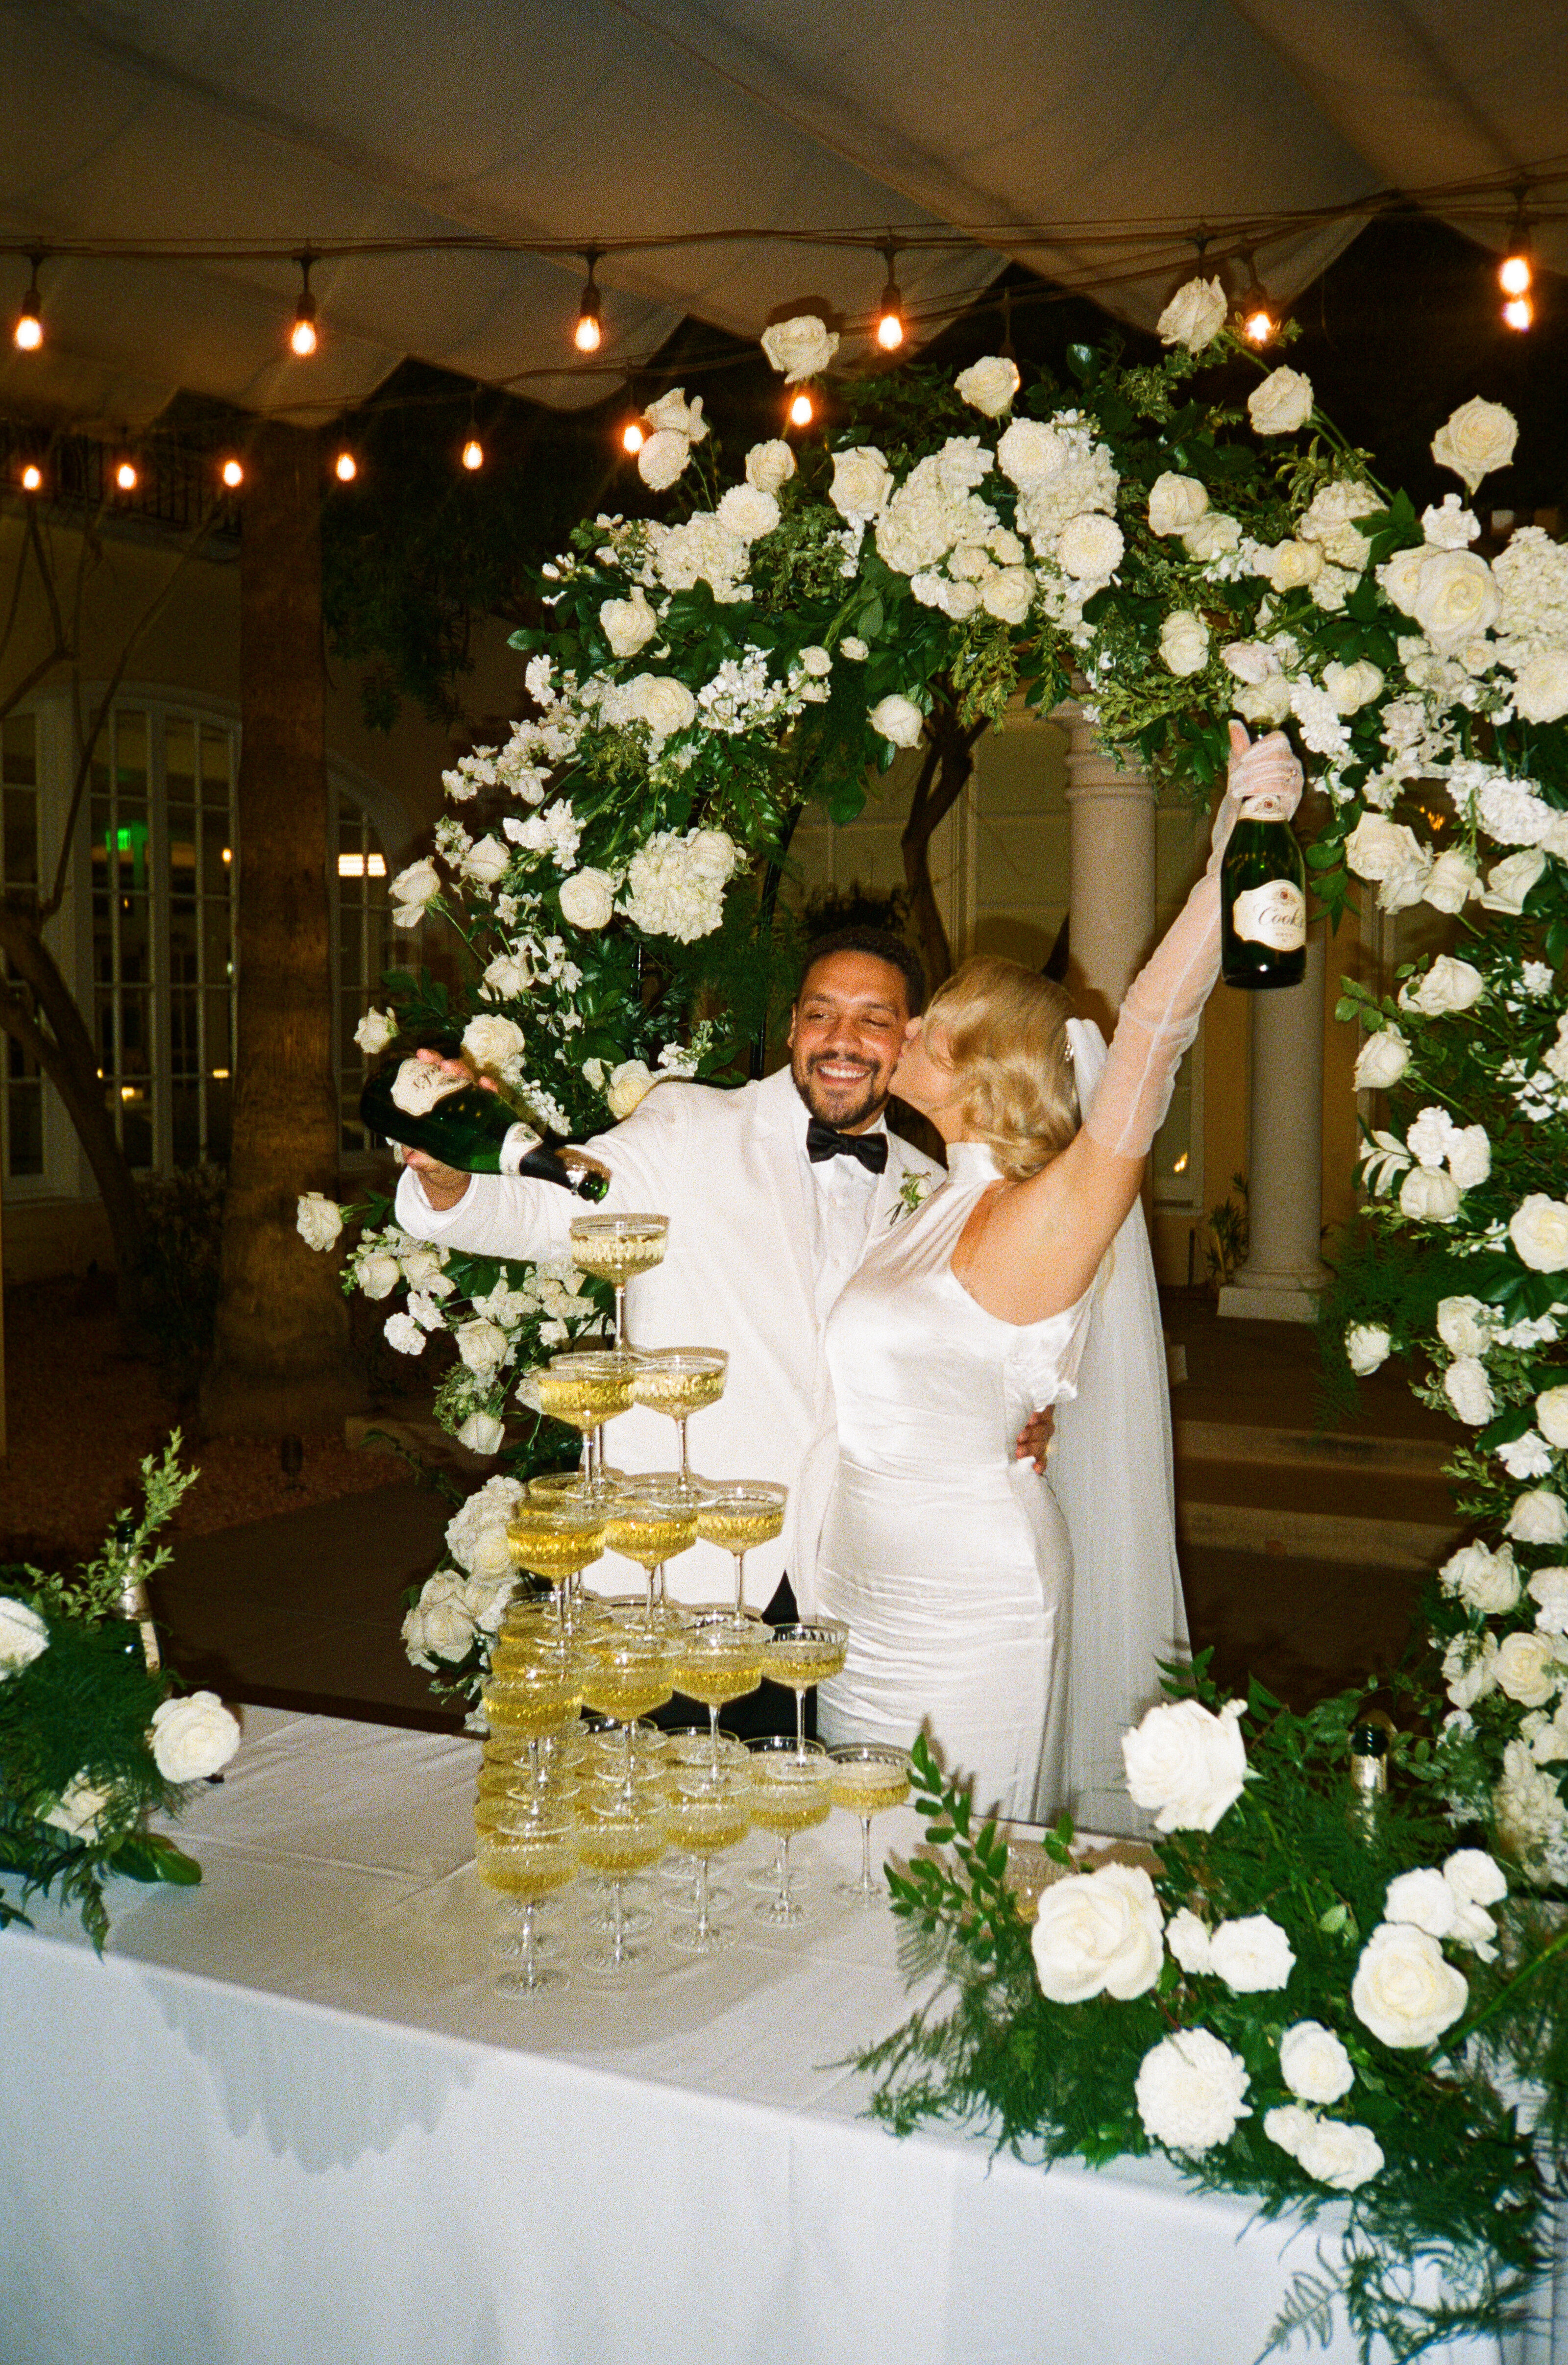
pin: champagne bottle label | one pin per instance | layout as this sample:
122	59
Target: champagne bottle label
1273	914
517	1141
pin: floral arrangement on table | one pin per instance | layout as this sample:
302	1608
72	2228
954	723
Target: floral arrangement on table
1299	1996
93	1740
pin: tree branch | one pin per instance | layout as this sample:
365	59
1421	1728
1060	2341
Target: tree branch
945	768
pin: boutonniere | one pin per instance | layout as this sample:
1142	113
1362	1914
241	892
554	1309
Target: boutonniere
914	1191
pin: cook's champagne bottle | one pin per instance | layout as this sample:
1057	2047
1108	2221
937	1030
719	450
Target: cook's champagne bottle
469	1128
1262	901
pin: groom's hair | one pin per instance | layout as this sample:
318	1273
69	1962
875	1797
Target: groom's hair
881	944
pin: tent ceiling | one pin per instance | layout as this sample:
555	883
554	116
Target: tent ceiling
246	120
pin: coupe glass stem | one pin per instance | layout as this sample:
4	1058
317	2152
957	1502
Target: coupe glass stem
740	1583
653	1592
713	1732
527	1976
703	1924
618	1952
619	1315
783	1901
800	1720
866	1887
685	1457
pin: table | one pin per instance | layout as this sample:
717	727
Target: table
286	2120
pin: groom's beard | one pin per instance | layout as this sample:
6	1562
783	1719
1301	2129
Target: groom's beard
845	1105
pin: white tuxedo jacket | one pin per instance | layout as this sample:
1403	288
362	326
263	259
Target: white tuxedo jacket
729	1170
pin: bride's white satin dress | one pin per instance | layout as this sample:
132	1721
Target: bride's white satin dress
948	1557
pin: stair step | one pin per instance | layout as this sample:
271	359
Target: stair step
1230	1441
1336	1536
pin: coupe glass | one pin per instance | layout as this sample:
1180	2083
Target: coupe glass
556	1541
586	1388
651	1523
624	1675
614	1247
719	1658
680	1381
618	1834
525	1862
736	1517
706	1811
867	1779
802	1655
793	1791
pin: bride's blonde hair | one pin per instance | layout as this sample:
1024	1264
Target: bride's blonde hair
1006	1037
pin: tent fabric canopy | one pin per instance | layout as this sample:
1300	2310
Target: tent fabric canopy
233	121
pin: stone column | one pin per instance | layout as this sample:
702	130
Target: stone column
1112	839
1283	1272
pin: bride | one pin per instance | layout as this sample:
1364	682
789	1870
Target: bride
1022	1623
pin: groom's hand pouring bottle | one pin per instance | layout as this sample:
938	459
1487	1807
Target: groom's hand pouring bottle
1262	901
462	1125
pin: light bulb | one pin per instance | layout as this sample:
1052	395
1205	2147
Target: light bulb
1260	325
345	468
633	435
1514	274
302	337
125	477
473	454
587	334
801	409
32	477
27	334
1519	312
890	315
232	474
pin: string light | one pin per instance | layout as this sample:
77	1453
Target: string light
303	338
473	454
889	312
32	477
801	409
589	334
126	478
1257	314
345	468
1515	274
27	334
232	474
633	435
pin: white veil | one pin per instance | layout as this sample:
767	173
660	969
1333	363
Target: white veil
1112	1473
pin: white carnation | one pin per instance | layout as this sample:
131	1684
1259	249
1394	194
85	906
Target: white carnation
1029	451
403	1334
1091	545
1190	2090
1540	689
747	512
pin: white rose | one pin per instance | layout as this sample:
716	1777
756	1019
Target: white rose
1538	1517
1194	316
1008	594
769	466
1528	1669
1451	882
1249	661
420	1266
712	852
1189	2090
1099	1933
1291	565
483	1347
1184	642
493	1042
1214	536
989	385
1354	685
1463	1326
1339	2153
1478	439
438	1626
374	1031
1456	598
1367	1346
661	702
855	648
1423	1899
1540	693
800	348
377	1275
1188	1939
1186	1764
1475	1877
1382	1061
672	411
485	861
193	1737
898	719
24	1637
1552	1404
1427	1197
482	1433
1449	985
1029	451
1470	1156
587	899
817	662
1176	503
1466	1382
1264	702
1282	404
663	459
412	889
628	624
1313	2063
1401	576
318	1220
1511	880
1483	1580
627	1086
1539	1230
77	1809
1468	1668
1251	1954
749	513
508	978
1089	545
1404	1990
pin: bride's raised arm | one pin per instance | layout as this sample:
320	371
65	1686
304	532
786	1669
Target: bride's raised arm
1048	1234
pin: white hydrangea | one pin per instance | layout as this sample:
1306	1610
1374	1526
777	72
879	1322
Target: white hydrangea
675	888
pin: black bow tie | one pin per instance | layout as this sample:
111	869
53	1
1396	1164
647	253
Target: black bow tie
826	1142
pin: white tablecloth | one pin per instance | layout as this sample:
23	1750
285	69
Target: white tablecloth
286	2120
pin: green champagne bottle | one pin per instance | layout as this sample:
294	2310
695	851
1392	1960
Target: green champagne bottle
465	1126
1369	1782
1263	903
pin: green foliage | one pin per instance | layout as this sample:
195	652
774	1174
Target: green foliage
1225	1248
